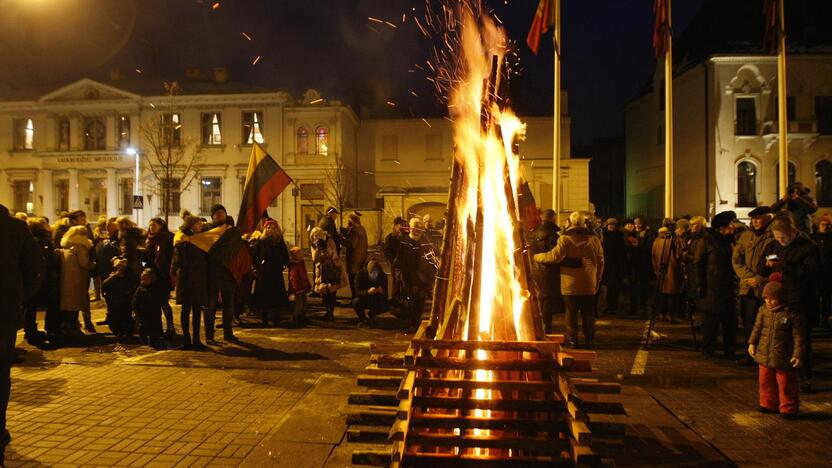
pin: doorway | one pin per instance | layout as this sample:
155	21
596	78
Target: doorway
309	215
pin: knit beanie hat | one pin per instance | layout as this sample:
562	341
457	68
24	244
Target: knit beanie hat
774	288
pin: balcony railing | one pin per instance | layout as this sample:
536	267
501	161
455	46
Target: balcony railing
795	127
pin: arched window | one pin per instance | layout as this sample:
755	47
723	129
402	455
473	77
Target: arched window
303	140
746	184
792	176
321	140
823	182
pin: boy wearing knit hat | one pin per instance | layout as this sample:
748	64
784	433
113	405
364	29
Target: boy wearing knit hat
777	345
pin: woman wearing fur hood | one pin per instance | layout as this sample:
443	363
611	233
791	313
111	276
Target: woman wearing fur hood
76	265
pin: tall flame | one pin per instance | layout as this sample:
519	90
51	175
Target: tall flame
487	158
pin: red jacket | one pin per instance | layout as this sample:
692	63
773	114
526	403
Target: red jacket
298	277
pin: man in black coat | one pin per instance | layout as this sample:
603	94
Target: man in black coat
714	283
21	267
392	242
547	276
221	282
370	292
615	263
823	237
327	223
417	261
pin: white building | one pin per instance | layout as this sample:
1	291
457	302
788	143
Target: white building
76	147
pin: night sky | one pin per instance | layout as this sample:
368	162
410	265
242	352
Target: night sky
332	46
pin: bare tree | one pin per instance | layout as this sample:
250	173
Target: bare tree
171	159
338	186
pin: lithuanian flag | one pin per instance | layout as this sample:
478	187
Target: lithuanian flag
225	246
265	179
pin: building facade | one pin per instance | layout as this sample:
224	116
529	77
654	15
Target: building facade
89	145
726	135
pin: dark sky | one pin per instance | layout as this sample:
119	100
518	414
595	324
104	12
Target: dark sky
329	45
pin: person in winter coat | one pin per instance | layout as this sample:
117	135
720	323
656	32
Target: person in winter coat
158	254
713	280
798	202
669	279
330	275
546	275
47	296
641	239
76	265
777	345
221	284
797	258
21	269
392	242
106	249
578	284
615	263
73	218
189	267
746	260
356	241
371	293
147	309
416	260
299	284
118	290
823	237
327	223
269	258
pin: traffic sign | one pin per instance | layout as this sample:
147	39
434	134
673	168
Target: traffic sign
138	202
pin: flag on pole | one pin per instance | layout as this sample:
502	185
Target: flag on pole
265	180
224	245
529	214
660	30
771	40
544	19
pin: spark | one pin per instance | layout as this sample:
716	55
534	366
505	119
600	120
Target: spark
391	103
414	94
316	101
375	20
391	25
138	71
152	105
246	36
426	122
396	161
215	6
256	60
404	17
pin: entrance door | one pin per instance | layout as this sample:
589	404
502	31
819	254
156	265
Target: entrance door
309	215
97	197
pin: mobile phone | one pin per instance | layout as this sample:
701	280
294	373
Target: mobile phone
772	257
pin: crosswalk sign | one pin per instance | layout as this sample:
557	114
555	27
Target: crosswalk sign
138	202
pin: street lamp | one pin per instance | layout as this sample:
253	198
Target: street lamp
134	152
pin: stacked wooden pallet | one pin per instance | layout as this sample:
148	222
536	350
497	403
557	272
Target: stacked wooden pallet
538	413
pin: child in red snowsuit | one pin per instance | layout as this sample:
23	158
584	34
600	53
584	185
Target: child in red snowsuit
299	284
777	344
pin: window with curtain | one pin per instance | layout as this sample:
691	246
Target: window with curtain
173	188
823	182
24	134
210	193
746	184
24	199
322	140
252	127
746	114
211	128
63	133
95	134
172	129
303	140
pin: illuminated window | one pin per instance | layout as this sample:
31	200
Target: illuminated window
170	196
172	129
211	128
746	184
303	140
24	134
125	198
210	193
63	133
252	127
123	132
24	196
823	182
321	140
95	134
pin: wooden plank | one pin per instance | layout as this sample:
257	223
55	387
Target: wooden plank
498	405
533	386
416	459
556	338
371	416
389	348
583	355
367	433
429	362
373	369
575	412
388	361
403	411
379	381
544	347
580	431
374	397
398	430
567	390
372	457
537	444
605	428
406	386
584	386
582	454
411	353
442	421
603	407
565	359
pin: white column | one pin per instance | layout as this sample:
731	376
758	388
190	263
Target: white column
112	193
74	184
46	188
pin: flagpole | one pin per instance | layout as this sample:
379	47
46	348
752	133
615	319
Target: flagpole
668	117
556	118
782	118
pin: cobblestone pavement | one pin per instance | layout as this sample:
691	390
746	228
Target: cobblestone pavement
277	399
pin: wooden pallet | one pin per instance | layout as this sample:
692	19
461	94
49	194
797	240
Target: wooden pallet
544	414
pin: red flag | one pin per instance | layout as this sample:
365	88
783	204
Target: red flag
543	20
265	180
660	31
772	26
529	214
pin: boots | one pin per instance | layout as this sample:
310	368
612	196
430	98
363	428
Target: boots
88	325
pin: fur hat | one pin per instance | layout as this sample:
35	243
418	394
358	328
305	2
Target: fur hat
76	235
759	211
774	288
189	221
